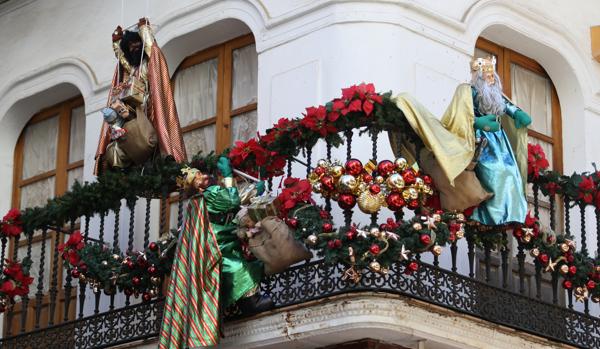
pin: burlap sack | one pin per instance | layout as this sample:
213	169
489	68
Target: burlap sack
466	192
276	247
140	141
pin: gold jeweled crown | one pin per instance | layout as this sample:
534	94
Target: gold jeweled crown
487	64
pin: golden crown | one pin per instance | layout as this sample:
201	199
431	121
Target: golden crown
487	64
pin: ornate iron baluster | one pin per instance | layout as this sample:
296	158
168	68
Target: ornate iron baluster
504	255
131	208
538	280
554	288
374	136
536	202
147	222
570	298
308	160
95	288
54	282
348	212
180	208
11	314
4	243
86	233
586	306
487	250
40	286
471	255
25	298
68	286
453	251
115	249
552	212
584	249
289	168
567	217
163	219
521	262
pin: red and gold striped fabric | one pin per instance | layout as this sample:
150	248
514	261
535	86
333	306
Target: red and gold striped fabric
191	315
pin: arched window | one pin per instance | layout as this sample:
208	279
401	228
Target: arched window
48	160
215	93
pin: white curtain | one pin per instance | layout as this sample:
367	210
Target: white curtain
195	92
77	135
243	126
202	139
36	194
532	93
39	152
245	71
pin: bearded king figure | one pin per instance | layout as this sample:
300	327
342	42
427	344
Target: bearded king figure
477	152
141	87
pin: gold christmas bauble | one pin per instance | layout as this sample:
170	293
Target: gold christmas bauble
322	163
336	171
401	164
104	263
375	267
564	248
155	280
597	268
313	177
460	217
414	194
437	250
368	202
82	278
564	269
395	182
406	194
460	234
417	226
347	184
534	252
427	189
311	240
436	217
596	299
419	183
317	188
379	179
374	232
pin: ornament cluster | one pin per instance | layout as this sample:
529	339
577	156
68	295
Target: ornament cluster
394	185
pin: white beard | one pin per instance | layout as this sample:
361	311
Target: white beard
489	97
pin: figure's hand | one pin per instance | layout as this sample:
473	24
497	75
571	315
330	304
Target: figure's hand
522	119
486	123
224	165
260	188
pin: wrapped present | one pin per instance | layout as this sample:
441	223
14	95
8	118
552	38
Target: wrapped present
263	206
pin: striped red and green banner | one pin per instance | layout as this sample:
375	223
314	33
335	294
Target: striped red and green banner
191	315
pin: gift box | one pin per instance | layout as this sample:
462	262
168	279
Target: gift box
263	206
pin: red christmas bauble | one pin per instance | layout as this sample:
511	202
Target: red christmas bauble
413	204
320	171
367	178
427	180
385	168
152	269
337	243
128	291
518	233
153	246
130	264
375	188
590	285
395	201
147	297
409	176
425	239
572	270
328	183
350	235
353	167
384	227
6	271
413	266
544	258
346	201
375	249
324	214
327	227
136	281
570	258
75	273
83	268
292	222
567	284
331	244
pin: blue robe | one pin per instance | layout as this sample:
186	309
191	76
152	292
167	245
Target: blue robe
498	173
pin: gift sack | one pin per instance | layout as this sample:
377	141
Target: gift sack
276	247
139	142
262	207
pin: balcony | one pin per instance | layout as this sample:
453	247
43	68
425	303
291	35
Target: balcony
483	290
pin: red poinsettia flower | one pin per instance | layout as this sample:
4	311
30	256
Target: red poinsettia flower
316	120
361	98
536	160
552	188
586	189
245	150
8	287
11	223
296	191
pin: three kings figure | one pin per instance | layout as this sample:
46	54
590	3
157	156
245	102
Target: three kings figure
477	152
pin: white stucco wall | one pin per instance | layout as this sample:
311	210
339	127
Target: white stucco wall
308	50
